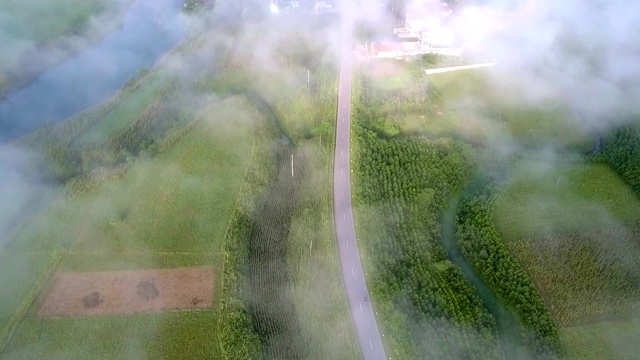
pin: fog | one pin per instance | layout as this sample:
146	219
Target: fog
148	30
581	52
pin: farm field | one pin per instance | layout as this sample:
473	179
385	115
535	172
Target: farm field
151	187
128	110
547	197
470	104
585	276
192	188
297	296
607	340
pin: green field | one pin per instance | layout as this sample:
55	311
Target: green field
586	276
168	212
43	20
129	109
609	340
149	186
472	105
544	198
27	26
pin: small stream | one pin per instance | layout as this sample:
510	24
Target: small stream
149	29
509	330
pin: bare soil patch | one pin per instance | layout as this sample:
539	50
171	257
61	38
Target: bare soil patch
128	292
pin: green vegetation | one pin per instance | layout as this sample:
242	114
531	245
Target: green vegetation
621	151
585	276
544	197
133	107
425	304
195	172
483	247
609	340
290	286
165	212
42	20
472	105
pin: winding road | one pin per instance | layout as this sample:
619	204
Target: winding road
362	313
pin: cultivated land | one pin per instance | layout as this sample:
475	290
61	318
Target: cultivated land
610	340
578	237
546	197
168	212
479	107
179	174
127	292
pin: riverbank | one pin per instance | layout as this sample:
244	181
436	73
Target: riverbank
45	54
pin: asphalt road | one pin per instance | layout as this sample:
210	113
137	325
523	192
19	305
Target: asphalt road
362	313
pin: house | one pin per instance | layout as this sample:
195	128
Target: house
425	23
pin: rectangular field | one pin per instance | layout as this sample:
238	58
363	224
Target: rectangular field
545	197
608	340
126	292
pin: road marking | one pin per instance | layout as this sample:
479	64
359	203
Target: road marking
360	302
370	344
344	216
353	273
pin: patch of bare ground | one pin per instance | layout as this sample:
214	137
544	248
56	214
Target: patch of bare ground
128	292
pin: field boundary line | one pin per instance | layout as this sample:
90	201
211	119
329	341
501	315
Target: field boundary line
226	234
18	316
457	68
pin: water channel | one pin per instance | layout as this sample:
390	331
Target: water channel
148	30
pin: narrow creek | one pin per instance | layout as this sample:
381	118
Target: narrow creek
509	330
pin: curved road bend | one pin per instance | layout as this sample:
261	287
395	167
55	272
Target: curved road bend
362	313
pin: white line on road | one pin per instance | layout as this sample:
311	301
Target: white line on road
370	344
344	216
353	273
360	302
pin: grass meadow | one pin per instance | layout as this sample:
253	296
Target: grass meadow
547	197
575	228
470	104
611	340
167	212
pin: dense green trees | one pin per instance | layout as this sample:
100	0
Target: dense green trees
482	246
403	182
621	151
